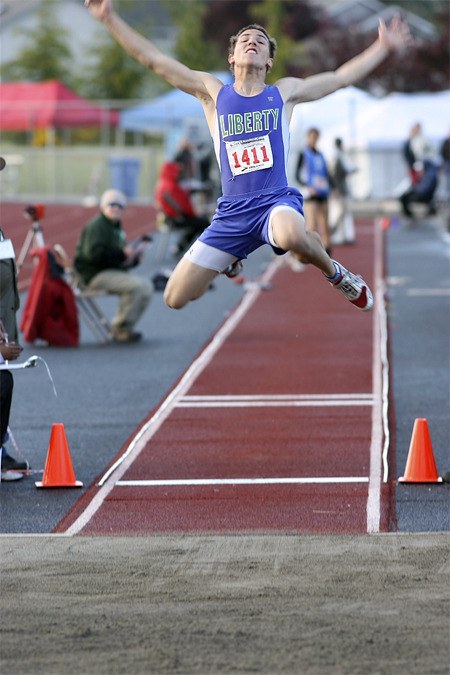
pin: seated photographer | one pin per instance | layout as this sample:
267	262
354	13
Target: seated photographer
103	259
176	204
422	191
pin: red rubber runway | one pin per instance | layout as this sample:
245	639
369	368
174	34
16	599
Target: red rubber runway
276	426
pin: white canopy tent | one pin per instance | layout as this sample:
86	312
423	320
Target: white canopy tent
343	108
373	131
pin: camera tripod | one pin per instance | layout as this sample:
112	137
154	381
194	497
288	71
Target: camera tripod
35	235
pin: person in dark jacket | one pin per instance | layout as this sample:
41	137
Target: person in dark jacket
423	190
175	202
103	259
444	152
12	469
416	149
343	226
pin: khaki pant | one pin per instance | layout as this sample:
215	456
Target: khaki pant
134	293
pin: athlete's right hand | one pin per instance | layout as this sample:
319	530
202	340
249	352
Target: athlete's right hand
100	9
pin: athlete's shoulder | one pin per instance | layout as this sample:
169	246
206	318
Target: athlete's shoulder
290	88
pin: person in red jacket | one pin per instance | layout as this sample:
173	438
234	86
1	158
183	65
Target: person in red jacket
176	204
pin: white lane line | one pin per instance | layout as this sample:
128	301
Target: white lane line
147	431
271	403
384	358
274	400
373	508
241	481
278	397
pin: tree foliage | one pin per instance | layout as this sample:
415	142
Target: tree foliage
425	66
193	46
206	26
308	43
113	75
275	17
46	56
427	10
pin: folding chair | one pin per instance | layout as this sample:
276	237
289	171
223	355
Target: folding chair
89	310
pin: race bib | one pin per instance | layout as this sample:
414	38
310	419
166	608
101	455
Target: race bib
248	155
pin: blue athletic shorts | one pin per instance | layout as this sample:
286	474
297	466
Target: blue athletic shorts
240	224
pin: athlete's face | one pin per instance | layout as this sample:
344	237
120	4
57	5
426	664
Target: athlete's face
252	48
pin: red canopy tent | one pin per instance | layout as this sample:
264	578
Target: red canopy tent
25	106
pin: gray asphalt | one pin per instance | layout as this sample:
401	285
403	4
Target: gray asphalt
104	393
418	271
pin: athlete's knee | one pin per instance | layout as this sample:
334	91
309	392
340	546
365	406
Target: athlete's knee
178	295
173	299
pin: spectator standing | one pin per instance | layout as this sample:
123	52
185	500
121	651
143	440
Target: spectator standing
343	229
11	468
313	176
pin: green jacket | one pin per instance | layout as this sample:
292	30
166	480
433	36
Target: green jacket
100	247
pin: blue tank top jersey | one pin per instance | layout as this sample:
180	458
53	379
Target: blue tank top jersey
314	172
251	141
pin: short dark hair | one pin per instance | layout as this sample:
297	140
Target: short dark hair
254	26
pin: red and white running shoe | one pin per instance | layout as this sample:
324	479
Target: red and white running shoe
234	270
353	287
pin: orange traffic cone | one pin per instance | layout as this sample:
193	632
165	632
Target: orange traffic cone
58	470
420	465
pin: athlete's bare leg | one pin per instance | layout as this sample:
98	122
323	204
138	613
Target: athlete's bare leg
187	282
309	208
323	227
290	233
316	214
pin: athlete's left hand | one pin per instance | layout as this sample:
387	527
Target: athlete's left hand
396	36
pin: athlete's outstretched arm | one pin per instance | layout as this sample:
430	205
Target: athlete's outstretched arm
198	84
394	37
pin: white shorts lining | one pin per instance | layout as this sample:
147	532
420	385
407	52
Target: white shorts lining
209	257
